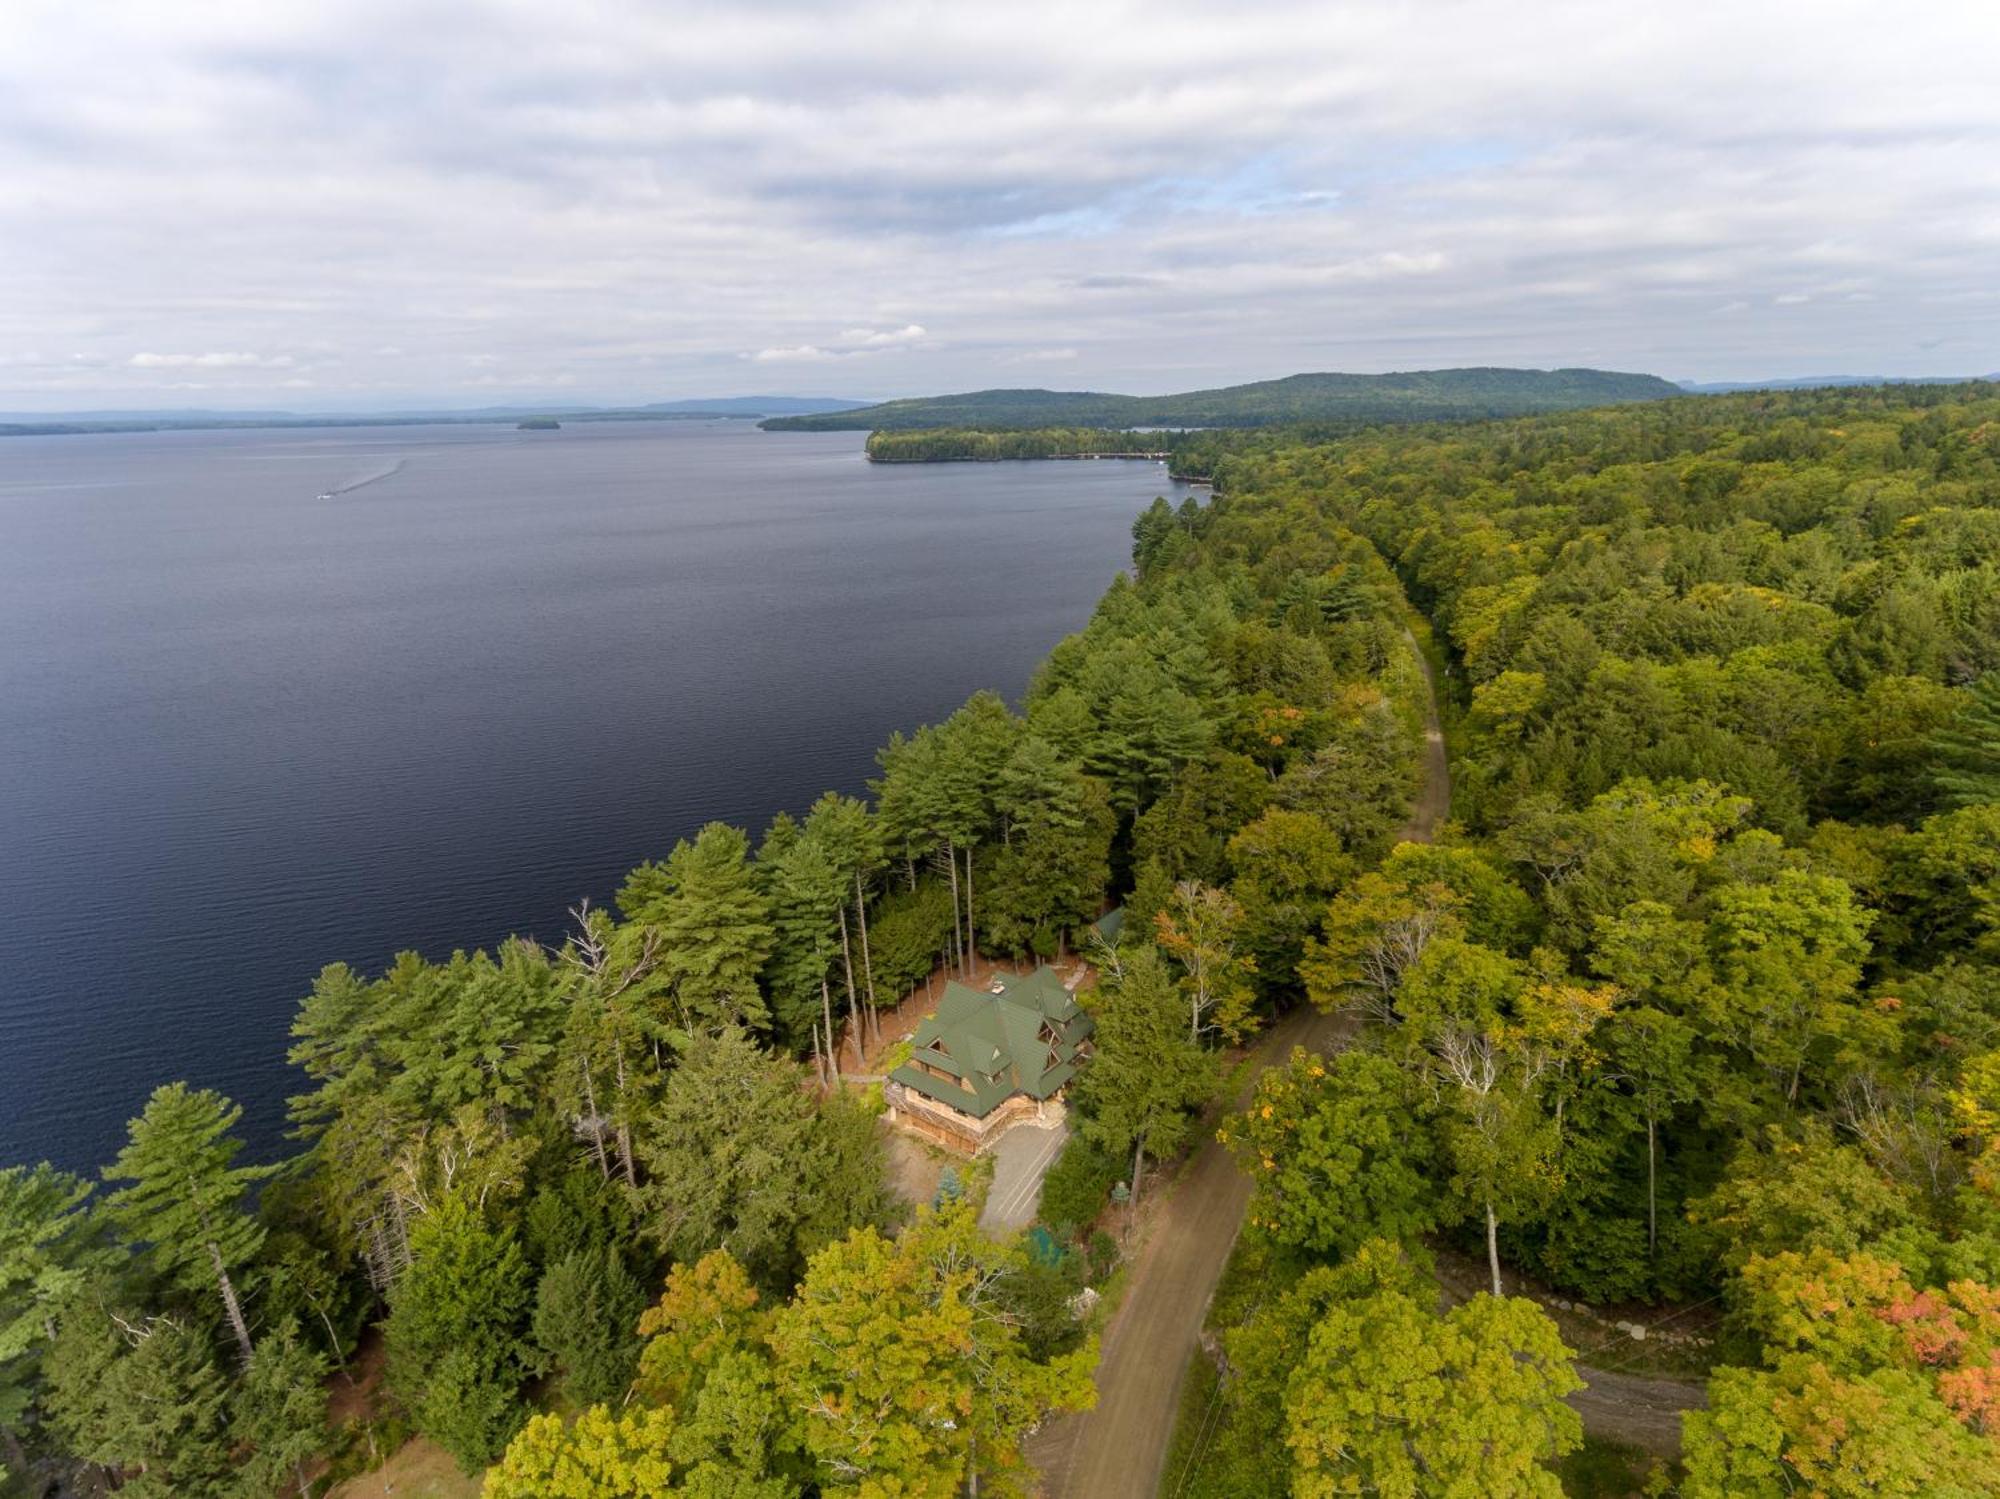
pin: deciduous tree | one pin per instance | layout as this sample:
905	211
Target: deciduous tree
906	1377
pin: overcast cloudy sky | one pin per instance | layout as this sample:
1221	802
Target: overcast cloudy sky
324	203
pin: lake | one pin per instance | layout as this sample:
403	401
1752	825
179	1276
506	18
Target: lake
270	699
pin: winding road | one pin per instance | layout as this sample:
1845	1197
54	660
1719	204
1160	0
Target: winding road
1117	1451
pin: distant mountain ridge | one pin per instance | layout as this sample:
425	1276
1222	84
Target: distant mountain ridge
758	406
1455	394
1824	382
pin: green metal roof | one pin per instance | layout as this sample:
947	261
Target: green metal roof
1111	925
1021	1036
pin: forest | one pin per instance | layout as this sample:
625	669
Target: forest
961	445
1349	400
1690	1010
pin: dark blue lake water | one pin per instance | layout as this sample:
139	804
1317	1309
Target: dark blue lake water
246	730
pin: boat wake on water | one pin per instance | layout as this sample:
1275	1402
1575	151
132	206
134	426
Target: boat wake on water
366	479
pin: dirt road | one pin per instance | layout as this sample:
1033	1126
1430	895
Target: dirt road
1117	1450
1433	803
1636	1409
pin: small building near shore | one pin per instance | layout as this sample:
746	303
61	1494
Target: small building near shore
990	1058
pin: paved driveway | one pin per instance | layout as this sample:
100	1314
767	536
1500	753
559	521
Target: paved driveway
1021	1158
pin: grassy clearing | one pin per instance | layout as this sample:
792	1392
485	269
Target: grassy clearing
419	1469
1606	1470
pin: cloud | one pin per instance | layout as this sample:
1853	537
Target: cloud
797	354
868	338
219	361
410	198
854	343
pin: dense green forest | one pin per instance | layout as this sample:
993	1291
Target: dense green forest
1698	1007
619	1181
959	445
1419	395
1692	1008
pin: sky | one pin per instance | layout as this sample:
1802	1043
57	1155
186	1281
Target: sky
361	204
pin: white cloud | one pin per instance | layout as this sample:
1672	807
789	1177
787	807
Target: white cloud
797	354
411	197
894	338
854	343
217	361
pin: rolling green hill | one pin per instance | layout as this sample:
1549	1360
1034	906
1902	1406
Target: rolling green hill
1419	395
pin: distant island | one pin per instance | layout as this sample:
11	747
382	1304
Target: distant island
77	423
539	424
1420	395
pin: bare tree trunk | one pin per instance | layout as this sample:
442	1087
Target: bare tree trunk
231	1304
826	1014
381	1264
1493	1248
332	1341
1138	1169
957	947
867	963
596	1124
853	999
402	1245
625	1160
971	940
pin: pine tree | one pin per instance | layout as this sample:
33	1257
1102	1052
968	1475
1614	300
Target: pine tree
714	925
49	1249
185	1203
849	841
281	1412
142	1395
454	1332
739	1155
1147	1077
1967	750
586	1322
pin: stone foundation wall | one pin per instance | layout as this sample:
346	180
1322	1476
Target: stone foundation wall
961	1133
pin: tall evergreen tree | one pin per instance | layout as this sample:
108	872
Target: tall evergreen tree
142	1395
185	1202
1966	752
1147	1077
806	891
586	1322
50	1248
714	925
281	1419
850	842
454	1332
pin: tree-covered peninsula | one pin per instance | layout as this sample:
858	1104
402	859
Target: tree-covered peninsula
956	445
1690	1007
